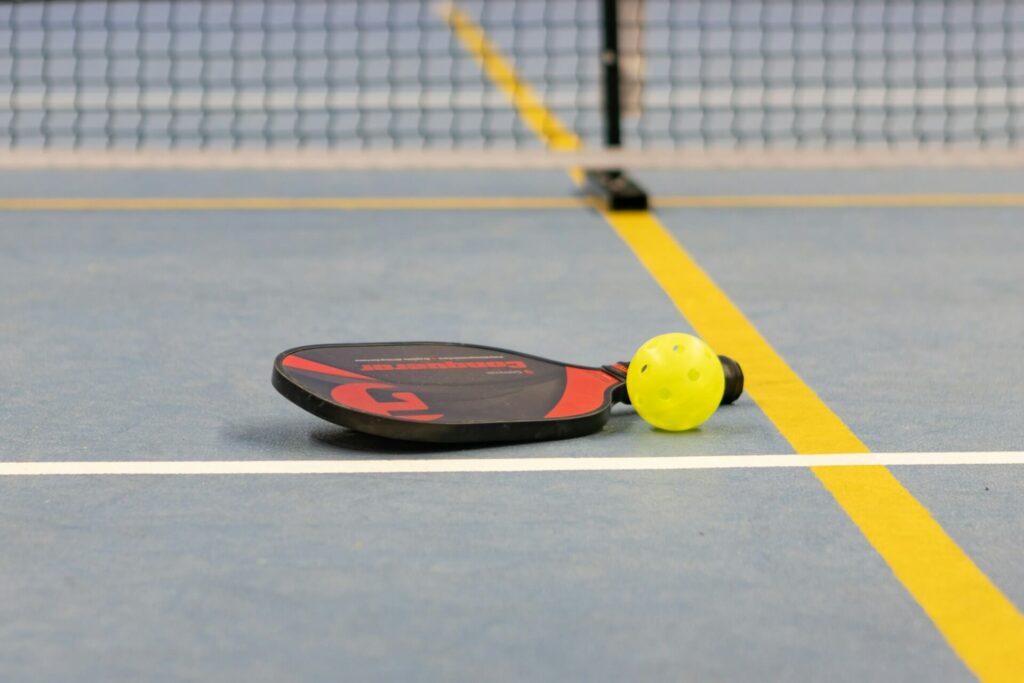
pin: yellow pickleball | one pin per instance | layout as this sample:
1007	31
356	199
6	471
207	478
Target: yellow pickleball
675	381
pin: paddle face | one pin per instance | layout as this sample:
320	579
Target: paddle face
443	392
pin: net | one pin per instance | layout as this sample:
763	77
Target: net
831	73
394	74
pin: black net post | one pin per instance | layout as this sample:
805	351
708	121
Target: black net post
610	64
612	186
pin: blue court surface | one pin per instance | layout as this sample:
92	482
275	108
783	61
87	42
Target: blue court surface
144	333
857	515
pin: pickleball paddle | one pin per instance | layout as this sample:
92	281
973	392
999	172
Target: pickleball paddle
456	393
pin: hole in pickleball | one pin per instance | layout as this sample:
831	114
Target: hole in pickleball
676	347
643	369
694	375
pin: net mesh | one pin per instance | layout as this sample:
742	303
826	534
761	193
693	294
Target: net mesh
392	74
827	73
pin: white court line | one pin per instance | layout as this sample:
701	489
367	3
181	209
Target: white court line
428	465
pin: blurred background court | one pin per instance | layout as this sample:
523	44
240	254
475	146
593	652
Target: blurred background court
834	199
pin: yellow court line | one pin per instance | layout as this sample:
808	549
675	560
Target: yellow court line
288	203
840	201
537	116
981	625
500	203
